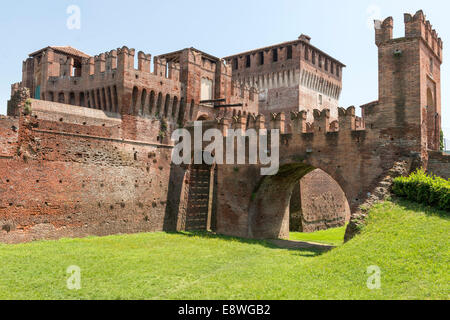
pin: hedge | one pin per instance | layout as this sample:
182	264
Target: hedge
423	188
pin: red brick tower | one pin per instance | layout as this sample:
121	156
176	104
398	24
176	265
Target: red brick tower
410	80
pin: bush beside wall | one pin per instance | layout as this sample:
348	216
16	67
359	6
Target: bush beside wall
423	188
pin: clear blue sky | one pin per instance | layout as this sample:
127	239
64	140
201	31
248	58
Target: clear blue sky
340	28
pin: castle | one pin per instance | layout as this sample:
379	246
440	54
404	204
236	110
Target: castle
86	148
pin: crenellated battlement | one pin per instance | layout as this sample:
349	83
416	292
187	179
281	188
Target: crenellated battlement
118	61
416	26
322	122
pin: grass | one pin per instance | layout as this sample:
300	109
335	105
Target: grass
409	243
333	236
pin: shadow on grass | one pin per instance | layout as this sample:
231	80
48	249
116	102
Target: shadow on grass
420	208
309	252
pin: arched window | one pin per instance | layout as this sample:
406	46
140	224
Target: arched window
51	96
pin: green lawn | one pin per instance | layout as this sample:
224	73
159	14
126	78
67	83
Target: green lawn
333	237
410	244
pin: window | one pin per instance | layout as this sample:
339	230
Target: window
247	61
261	58
307	54
320	62
235	64
313	57
289	53
275	55
320	99
206	89
338	71
326	65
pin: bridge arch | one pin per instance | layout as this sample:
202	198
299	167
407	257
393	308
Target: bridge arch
269	210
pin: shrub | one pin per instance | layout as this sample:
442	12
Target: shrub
423	188
27	107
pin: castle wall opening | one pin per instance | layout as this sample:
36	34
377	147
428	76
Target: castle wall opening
317	203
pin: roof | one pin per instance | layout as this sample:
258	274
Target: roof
65	50
304	39
175	53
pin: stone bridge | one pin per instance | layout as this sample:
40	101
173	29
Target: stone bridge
357	153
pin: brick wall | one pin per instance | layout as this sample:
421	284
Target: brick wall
73	179
321	202
439	164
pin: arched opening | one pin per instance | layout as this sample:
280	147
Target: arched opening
272	201
110	100
82	103
181	113
317	203
143	101
159	104
134	98
99	103
175	107
105	106
88	99
432	122
166	105
116	99
61	97
151	104
93	100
